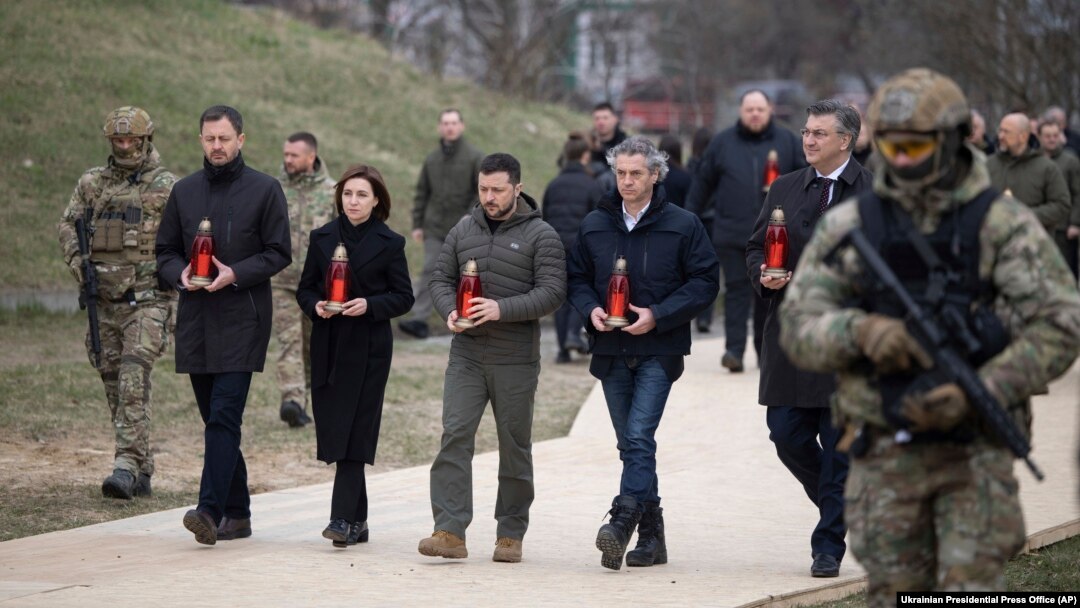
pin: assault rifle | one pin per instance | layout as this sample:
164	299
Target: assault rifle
88	291
948	363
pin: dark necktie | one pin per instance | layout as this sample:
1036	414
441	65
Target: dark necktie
823	202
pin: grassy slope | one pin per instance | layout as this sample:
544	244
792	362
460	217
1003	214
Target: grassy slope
66	63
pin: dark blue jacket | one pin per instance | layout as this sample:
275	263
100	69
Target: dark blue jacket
672	266
733	167
568	199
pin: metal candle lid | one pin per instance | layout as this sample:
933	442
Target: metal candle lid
471	270
340	254
620	265
204	226
777	216
773	156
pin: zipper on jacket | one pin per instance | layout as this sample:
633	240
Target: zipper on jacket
228	227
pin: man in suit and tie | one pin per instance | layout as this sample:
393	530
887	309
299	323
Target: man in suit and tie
797	402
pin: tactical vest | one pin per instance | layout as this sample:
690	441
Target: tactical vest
941	272
120	235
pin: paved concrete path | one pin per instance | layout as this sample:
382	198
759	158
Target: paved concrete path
738	526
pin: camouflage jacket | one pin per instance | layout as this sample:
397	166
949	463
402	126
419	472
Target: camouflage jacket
1035	297
311	205
113	191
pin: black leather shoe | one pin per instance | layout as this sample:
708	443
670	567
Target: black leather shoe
732	362
202	526
121	484
703	328
294	414
825	566
563	356
338	532
232	529
416	329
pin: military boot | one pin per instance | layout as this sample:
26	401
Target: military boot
121	484
293	413
615	535
651	548
142	486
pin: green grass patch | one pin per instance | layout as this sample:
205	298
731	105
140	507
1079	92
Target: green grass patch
66	63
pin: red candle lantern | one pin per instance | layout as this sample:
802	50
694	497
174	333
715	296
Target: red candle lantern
202	253
772	170
468	288
337	281
776	245
618	295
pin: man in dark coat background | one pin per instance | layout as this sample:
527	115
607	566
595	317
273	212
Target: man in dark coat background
567	200
731	175
797	401
223	329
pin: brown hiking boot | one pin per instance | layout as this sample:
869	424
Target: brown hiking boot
507	550
443	544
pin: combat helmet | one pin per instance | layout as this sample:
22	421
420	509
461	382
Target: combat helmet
128	121
920	100
923	101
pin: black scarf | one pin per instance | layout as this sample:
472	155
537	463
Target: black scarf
225	173
351	235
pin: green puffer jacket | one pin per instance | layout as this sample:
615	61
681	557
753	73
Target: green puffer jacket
447	187
522	266
1035	181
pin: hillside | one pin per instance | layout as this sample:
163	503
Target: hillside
66	63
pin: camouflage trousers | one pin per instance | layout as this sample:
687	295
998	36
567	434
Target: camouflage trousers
293	331
132	339
933	516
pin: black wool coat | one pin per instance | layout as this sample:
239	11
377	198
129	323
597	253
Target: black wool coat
228	330
350	356
798	193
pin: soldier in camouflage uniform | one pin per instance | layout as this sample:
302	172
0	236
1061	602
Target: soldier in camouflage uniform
310	193
935	507
126	197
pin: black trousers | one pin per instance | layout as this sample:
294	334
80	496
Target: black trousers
223	489
740	300
349	501
819	467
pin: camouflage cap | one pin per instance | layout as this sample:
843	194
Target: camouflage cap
919	100
128	121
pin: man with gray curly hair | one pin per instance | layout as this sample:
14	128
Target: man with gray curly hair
673	274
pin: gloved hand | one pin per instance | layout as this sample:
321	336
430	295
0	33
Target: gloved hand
939	409
888	344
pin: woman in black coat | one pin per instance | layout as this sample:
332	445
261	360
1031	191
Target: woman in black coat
351	350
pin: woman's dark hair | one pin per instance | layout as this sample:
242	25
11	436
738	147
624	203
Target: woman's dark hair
576	146
378	188
701	140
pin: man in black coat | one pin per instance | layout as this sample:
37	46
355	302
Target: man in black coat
567	200
222	329
731	175
797	401
673	275
606	130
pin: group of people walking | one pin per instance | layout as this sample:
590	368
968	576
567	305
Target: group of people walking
884	441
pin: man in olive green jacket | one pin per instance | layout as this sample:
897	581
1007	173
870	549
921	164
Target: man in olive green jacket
1052	143
444	193
522	269
1029	175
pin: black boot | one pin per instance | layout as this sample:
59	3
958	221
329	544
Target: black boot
121	484
338	532
358	533
293	413
142	486
651	548
615	535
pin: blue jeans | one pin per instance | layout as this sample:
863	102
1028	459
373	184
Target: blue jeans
221	398
636	397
